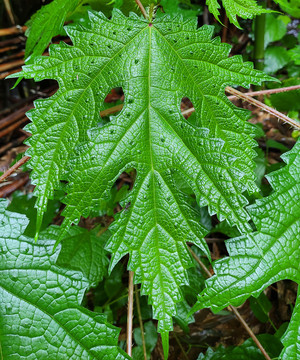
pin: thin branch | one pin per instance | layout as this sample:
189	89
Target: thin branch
111	110
130	314
234	310
269	91
263	106
137	300
14	168
13	30
140	5
9	11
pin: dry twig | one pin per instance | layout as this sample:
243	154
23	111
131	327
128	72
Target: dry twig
130	314
14	168
137	300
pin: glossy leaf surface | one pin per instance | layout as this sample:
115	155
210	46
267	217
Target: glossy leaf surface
268	255
246	9
40	313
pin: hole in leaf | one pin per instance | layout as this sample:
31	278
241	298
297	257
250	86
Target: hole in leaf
113	100
186	107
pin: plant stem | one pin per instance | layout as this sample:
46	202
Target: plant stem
234	310
140	5
14	167
130	314
259	43
263	106
137	300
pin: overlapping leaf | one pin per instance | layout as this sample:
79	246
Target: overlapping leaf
266	256
82	250
46	23
49	20
157	64
40	316
246	9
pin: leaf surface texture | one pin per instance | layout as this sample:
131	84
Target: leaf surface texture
268	255
246	9
40	313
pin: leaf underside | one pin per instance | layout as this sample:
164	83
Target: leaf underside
156	65
40	313
268	255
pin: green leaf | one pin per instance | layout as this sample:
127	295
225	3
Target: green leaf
275	27
246	9
261	307
295	54
291	7
276	57
44	24
49	20
24	204
157	64
268	255
40	315
184	8
82	250
150	334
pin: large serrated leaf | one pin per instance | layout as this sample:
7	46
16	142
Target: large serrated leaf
266	256
157	64
40	313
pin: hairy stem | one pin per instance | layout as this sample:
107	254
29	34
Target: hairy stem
234	310
268	92
130	314
137	300
263	106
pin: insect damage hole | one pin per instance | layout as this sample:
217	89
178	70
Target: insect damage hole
113	103
186	107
